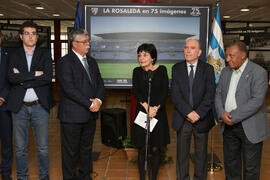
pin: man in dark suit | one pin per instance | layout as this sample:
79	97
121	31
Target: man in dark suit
193	92
240	105
30	99
5	117
82	92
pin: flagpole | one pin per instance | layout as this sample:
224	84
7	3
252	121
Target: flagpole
213	166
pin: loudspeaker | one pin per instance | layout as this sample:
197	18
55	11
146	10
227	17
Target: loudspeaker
113	124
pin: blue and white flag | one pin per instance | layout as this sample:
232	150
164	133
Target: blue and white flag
78	17
216	49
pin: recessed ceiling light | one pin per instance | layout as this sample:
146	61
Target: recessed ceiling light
1	14
244	10
56	15
226	17
39	7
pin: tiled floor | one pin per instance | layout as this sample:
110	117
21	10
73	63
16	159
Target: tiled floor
112	163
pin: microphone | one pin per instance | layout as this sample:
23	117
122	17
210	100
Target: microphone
149	75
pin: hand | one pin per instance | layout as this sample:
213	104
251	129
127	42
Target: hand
95	105
226	118
38	73
153	111
144	105
156	108
193	117
16	71
2	100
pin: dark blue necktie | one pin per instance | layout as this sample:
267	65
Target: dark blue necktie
86	67
191	77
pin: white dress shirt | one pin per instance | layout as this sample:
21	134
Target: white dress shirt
194	67
230	103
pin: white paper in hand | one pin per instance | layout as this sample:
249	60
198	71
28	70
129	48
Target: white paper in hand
141	121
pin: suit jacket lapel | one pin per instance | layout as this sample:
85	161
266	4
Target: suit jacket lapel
185	74
197	73
243	77
23	59
35	58
91	70
2	56
198	76
78	62
79	65
2	59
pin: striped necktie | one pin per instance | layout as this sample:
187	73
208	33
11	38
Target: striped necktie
86	67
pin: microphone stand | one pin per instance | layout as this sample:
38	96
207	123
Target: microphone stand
147	126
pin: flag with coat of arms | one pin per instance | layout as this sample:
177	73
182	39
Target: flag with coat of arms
216	49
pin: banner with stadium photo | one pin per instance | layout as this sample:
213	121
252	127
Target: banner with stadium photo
116	31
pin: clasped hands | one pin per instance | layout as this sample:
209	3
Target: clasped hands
226	118
95	105
193	117
2	100
152	109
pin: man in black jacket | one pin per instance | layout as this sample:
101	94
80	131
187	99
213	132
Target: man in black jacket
5	117
30	99
193	93
82	92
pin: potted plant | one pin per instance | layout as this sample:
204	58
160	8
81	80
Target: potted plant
164	158
131	151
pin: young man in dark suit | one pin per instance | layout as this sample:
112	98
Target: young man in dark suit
193	93
82	92
5	117
30	74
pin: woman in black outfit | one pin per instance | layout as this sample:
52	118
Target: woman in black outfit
159	137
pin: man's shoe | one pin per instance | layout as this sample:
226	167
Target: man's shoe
6	177
45	178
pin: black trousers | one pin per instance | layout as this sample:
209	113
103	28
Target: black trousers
6	142
183	153
237	148
76	146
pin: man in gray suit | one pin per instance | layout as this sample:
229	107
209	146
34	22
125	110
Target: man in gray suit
240	105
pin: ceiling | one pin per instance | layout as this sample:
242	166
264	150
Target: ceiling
25	9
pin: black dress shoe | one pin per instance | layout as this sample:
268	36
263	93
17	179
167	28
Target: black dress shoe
6	177
45	178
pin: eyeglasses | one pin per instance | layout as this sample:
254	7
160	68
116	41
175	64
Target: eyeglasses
83	42
30	33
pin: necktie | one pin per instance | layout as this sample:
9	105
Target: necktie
191	76
86	67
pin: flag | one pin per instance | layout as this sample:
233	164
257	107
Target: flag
78	17
216	49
